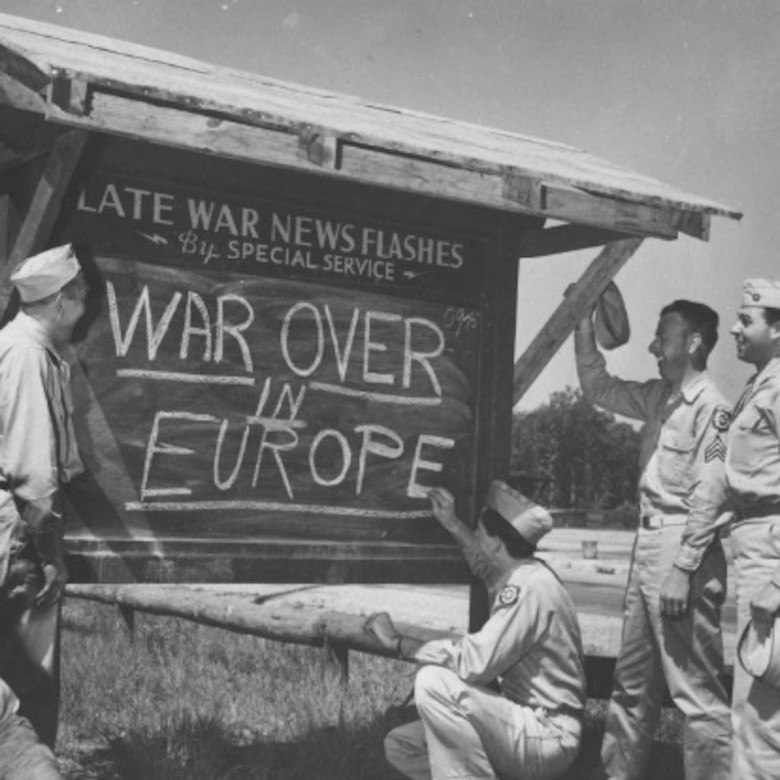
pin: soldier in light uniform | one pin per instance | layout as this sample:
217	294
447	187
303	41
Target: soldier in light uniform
677	582
753	478
530	644
38	455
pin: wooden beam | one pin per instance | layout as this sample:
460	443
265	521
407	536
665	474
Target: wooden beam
585	208
319	149
694	223
557	329
47	199
14	93
185	129
565	238
20	68
68	93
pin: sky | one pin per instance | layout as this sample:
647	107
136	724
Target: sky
686	91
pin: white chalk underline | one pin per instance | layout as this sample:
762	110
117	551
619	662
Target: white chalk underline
175	376
272	506
323	387
388	398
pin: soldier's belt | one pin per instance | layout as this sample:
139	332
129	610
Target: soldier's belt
758	511
656	522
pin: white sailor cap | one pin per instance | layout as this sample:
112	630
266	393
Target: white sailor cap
530	520
44	274
761	292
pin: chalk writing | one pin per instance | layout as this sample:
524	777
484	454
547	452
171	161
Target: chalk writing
264	237
278	432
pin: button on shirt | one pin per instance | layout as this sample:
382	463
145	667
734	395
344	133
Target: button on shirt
37	441
530	643
682	447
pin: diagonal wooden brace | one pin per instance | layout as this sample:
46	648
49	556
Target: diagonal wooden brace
560	325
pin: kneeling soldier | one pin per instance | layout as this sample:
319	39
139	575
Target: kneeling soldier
530	645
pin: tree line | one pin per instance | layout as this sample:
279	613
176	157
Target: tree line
576	456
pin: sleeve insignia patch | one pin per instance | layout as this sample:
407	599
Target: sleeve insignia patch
716	450
721	419
508	595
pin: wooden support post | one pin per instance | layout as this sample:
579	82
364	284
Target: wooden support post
557	329
5	226
47	199
128	617
336	662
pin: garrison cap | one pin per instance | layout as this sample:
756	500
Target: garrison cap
611	322
46	273
758	651
530	520
761	292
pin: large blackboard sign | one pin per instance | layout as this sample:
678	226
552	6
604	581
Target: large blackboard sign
258	364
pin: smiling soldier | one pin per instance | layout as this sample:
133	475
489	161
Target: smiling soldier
753	477
677	581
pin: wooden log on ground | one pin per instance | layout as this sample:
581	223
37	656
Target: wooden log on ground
337	632
284	623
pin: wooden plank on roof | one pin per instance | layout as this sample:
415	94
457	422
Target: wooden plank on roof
560	325
173	127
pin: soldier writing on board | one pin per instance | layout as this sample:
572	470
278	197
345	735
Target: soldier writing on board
530	645
677	582
38	456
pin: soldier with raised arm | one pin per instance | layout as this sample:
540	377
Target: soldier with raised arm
677	581
530	646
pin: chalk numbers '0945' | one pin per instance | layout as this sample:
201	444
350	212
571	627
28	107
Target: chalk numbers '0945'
460	320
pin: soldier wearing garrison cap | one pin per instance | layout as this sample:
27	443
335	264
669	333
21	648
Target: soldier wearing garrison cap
677	581
753	482
530	645
38	456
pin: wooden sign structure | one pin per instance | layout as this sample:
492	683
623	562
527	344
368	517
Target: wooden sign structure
302	305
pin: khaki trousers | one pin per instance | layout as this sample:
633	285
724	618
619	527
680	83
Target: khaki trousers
471	732
686	653
755	706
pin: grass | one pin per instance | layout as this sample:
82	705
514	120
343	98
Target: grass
181	701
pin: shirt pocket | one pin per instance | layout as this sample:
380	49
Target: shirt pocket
751	438
676	457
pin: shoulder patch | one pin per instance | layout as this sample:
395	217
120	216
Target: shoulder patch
721	419
508	595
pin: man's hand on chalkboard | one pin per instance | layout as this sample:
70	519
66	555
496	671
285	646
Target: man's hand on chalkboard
443	505
380	626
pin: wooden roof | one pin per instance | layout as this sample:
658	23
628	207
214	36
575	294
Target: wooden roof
105	85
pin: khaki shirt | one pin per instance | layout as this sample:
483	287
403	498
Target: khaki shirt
38	448
530	643
753	457
682	449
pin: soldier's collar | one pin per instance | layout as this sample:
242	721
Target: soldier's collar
695	386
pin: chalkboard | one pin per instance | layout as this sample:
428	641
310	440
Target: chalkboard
207	400
268	360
